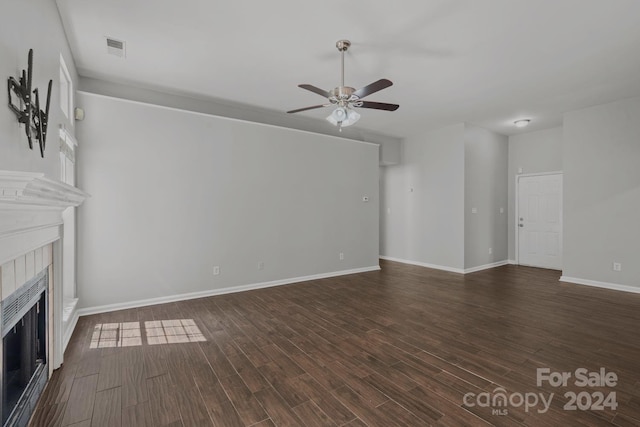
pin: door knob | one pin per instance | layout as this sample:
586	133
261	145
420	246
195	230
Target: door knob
520	225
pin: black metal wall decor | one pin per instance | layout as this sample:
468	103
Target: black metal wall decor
27	110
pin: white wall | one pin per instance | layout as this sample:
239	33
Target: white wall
426	201
426	225
601	153
44	34
534	152
389	145
175	193
485	190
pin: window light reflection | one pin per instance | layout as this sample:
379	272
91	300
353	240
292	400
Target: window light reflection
128	334
172	331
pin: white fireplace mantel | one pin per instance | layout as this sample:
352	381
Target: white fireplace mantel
31	209
29	188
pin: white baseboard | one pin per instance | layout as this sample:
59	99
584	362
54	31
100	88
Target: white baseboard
445	268
424	264
486	266
604	285
71	325
512	262
212	292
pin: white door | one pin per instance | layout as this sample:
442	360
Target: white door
540	221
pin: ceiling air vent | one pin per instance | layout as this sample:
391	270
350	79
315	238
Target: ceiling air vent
115	47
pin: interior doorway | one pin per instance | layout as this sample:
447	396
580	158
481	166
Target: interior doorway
539	220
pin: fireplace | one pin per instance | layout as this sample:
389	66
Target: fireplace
24	350
32	321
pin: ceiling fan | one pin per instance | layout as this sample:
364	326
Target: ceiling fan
346	98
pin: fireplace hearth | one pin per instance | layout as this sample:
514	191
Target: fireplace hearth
24	350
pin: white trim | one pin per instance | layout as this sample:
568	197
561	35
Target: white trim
512	262
604	285
17	244
69	109
486	266
56	350
517	213
34	189
212	292
198	113
67	137
31	208
526	175
71	326
445	268
424	264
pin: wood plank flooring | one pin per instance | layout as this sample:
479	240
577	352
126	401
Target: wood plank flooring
401	346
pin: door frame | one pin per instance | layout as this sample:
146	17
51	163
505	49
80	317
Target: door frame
517	207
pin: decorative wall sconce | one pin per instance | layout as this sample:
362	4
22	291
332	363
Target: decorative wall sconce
26	110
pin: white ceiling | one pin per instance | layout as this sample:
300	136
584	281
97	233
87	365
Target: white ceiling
486	62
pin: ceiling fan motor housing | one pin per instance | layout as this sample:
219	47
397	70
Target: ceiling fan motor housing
342	92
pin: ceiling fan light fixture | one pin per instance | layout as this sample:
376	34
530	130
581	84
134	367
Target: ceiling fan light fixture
352	117
343	117
522	123
337	116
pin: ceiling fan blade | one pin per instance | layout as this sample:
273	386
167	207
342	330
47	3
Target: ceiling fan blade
372	88
379	106
308	108
314	89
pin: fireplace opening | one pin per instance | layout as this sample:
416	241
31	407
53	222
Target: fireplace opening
24	351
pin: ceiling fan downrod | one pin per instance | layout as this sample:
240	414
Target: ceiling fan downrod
342	94
342	46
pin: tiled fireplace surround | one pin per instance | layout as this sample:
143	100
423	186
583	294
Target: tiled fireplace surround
31	224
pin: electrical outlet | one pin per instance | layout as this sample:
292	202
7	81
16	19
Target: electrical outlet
261	265
341	256
474	210
501	210
216	270
617	266
490	251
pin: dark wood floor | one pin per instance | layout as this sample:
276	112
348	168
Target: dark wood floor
397	347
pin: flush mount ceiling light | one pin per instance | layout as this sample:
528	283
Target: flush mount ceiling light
522	123
346	98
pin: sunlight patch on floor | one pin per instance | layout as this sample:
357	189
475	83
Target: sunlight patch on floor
172	331
128	334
